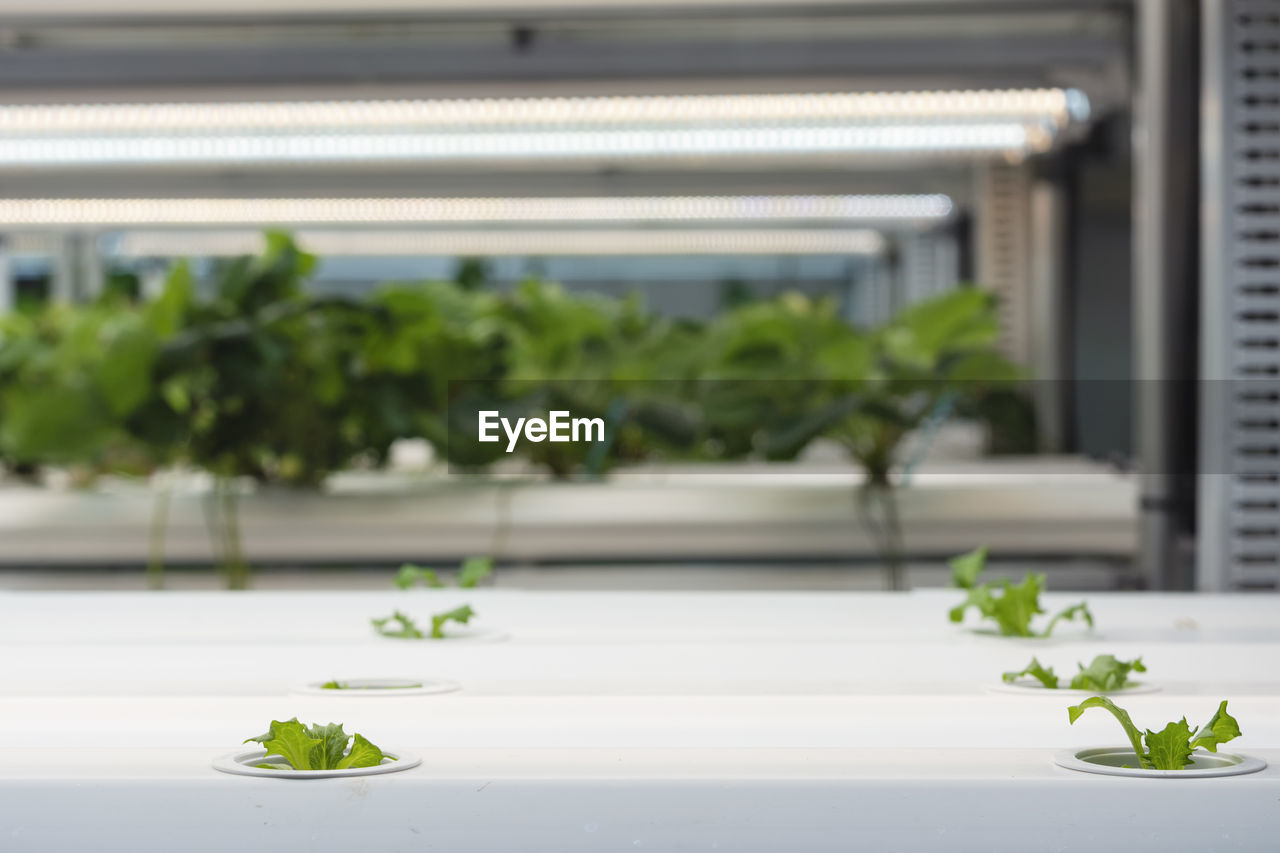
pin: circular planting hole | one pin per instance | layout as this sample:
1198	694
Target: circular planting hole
1031	687
243	764
377	687
1121	761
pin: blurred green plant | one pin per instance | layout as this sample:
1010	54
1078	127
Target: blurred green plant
247	376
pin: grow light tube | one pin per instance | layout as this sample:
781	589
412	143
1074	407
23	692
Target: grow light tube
494	242
1009	122
637	143
1056	106
34	213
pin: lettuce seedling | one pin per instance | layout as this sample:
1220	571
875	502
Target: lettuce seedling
399	626
1010	606
473	570
316	747
1170	748
1103	674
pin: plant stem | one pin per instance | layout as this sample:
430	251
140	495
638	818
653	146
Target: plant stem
886	531
234	565
161	500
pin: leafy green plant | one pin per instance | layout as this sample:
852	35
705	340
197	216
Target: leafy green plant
1011	606
791	370
343	685
315	747
399	626
1105	673
1172	747
473	570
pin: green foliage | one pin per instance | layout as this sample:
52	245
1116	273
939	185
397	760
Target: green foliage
315	747
472	571
1037	671
462	615
247	376
1011	606
1104	674
342	685
1170	748
399	626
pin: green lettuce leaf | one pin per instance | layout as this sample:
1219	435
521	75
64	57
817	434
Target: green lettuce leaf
1169	748
398	626
409	574
1014	610
1221	728
474	570
461	615
314	747
966	568
363	754
1070	614
1036	671
333	743
1130	730
290	741
1105	673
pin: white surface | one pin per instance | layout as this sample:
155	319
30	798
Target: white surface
694	721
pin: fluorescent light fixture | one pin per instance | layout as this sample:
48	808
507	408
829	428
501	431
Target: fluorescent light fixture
1020	105
494	242
108	213
1008	122
638	143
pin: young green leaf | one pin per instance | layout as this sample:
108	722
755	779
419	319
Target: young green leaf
314	747
1080	610
1169	748
410	574
474	570
1014	609
1010	606
398	626
1105	673
290	741
461	615
333	743
363	754
966	568
1221	728
1036	671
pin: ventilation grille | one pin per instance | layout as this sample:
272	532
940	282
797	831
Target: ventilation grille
1250	76
1002	262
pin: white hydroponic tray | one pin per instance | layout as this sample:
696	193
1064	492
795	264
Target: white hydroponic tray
736	721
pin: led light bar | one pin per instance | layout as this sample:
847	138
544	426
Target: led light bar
538	242
1058	106
639	143
1011	122
34	213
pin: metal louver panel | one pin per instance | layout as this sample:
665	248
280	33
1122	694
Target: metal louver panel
1239	541
1002	263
